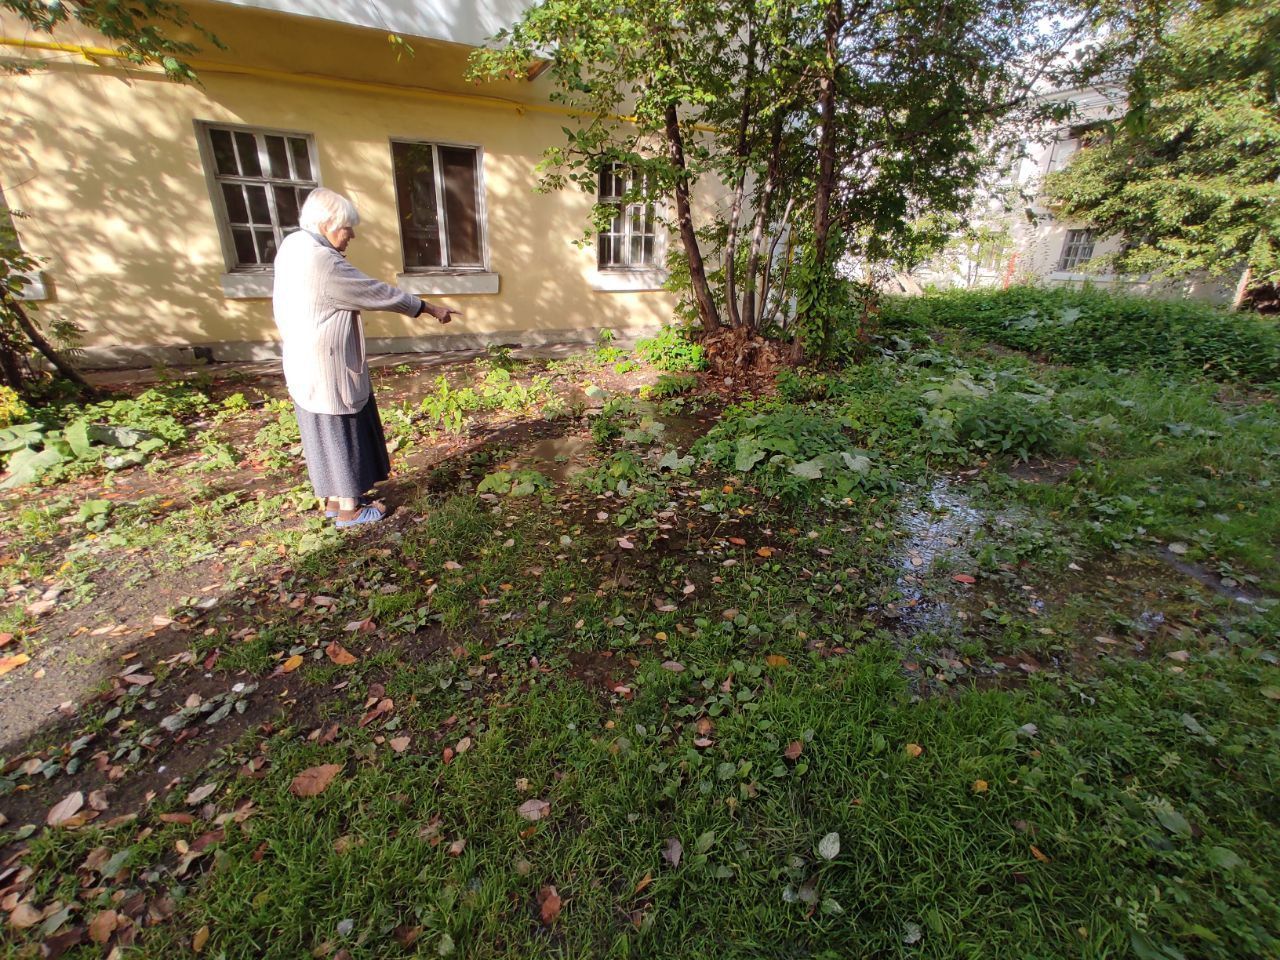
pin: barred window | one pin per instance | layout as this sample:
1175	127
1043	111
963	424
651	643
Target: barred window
439	197
1076	250
261	179
630	240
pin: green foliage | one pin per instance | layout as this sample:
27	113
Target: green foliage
497	356
1001	413
1087	326
671	350
278	444
1190	178
12	409
786	448
669	385
114	434
447	407
513	483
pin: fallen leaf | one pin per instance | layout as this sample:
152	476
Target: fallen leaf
979	786
314	780
737	541
673	665
777	660
534	810
103	925
399	744
829	846
360	626
549	904
1182	656
98	800
452	565
13	663
914	750
292	664
625	544
456	848
339	654
765	552
964	578
793	751
24	915
644	882
65	809
1039	854
199	794
672	851
200	939
177	818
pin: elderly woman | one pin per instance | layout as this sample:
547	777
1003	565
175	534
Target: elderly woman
317	300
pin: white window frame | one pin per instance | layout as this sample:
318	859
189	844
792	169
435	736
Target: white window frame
1077	239
482	223
253	280
625	214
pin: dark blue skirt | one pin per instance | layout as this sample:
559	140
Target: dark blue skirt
346	453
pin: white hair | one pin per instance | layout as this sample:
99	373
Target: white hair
326	210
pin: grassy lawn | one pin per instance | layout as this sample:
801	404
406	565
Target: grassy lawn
962	651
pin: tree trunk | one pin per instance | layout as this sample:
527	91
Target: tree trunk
749	311
765	313
742	152
826	150
707	312
1242	289
46	348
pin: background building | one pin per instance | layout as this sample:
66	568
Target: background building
157	207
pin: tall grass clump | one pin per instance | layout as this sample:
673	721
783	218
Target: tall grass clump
1081	326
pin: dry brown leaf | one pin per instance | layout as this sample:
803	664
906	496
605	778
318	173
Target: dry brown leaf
200	794
776	660
24	915
765	552
292	664
1039	854
793	751
737	541
65	809
549	904
914	750
339	654
103	925
399	744
98	800
456	848
979	786
12	663
964	578
534	810
314	780
672	851
200	939
644	882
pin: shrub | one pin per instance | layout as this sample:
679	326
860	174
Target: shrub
669	385
1118	331
789	449
672	351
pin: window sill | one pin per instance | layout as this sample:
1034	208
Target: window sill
623	280
248	286
1082	277
443	284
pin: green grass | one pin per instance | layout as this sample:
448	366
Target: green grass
1108	800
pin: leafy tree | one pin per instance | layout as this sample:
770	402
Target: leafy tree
841	124
1190	177
144	33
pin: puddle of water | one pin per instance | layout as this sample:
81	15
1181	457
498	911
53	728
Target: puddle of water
936	526
558	458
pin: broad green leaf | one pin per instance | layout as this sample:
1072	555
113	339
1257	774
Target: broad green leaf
808	470
748	454
77	435
1173	821
704	842
27	466
1223	858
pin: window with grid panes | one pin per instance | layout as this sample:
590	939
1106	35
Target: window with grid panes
630	240
1076	250
262	179
439	202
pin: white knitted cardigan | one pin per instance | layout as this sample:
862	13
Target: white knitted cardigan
317	301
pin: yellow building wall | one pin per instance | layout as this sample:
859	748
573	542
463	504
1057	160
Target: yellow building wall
106	163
